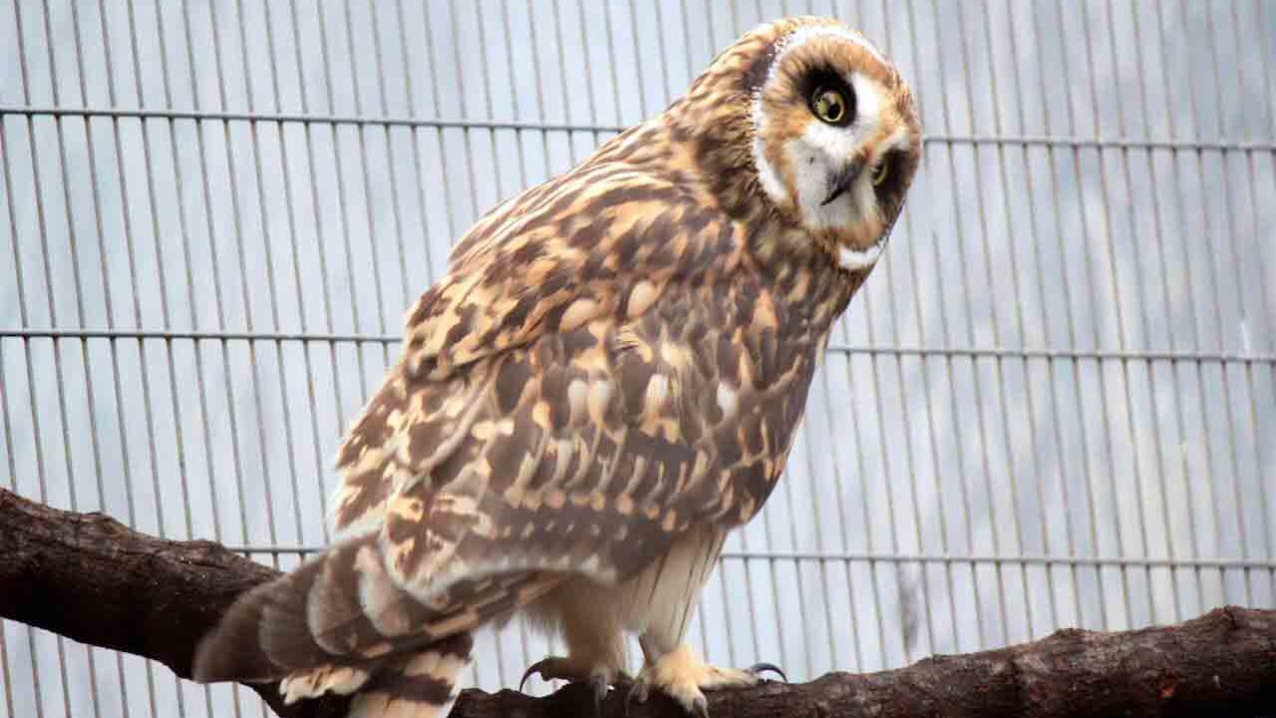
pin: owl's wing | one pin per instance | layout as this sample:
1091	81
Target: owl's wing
572	398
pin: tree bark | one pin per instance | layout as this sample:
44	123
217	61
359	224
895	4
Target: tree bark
89	578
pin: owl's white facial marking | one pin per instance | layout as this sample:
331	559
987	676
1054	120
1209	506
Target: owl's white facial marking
822	151
825	168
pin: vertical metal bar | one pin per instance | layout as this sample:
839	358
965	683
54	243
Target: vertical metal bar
1162	58
415	132
1132	233
924	371
1063	473
1084	461
435	100
589	79
1106	431
916	59
396	212
826	597
465	132
611	57
1196	332
1158	237
236	209
638	73
271	293
970	329
295	256
324	289
1265	121
1235	271
1048	365
342	196
1018	323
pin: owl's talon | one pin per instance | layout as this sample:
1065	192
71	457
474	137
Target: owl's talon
683	677
534	669
757	669
553	667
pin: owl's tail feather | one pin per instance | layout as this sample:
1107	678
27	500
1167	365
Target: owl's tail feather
339	608
415	685
338	624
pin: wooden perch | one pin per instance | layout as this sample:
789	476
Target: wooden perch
91	579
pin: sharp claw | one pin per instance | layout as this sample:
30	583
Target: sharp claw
534	669
700	707
758	669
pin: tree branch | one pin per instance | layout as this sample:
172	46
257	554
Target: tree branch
89	578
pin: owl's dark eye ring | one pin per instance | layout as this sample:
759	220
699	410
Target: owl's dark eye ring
830	106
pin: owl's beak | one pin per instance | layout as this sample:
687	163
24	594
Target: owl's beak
842	179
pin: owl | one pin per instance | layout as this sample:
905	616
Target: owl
606	382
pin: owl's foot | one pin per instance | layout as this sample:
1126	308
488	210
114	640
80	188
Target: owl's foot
681	675
600	678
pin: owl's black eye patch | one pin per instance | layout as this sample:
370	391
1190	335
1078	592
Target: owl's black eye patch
895	175
828	96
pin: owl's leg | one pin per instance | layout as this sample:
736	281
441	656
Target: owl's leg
667	593
595	644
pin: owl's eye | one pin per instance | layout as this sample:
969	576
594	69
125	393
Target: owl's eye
880	173
830	106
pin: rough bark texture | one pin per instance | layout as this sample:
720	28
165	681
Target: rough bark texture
89	578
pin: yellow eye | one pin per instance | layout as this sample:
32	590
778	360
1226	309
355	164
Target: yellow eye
829	105
880	173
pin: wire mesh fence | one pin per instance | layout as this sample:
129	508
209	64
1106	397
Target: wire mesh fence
1053	405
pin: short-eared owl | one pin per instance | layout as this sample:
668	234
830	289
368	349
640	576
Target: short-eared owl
605	383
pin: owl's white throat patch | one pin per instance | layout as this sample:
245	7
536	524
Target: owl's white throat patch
854	260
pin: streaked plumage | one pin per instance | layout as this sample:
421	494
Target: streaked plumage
606	382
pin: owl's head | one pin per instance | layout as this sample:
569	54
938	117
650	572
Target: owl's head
833	136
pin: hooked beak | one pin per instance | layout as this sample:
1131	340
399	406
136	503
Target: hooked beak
842	180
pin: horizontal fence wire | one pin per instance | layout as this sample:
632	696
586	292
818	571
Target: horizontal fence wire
969	352
527	126
1053	405
909	558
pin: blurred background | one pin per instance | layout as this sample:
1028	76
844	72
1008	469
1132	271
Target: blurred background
1053	405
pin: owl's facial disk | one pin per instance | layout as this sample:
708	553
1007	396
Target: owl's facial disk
836	140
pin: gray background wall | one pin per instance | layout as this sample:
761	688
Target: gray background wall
1054	404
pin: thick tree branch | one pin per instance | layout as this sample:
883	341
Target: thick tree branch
89	578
